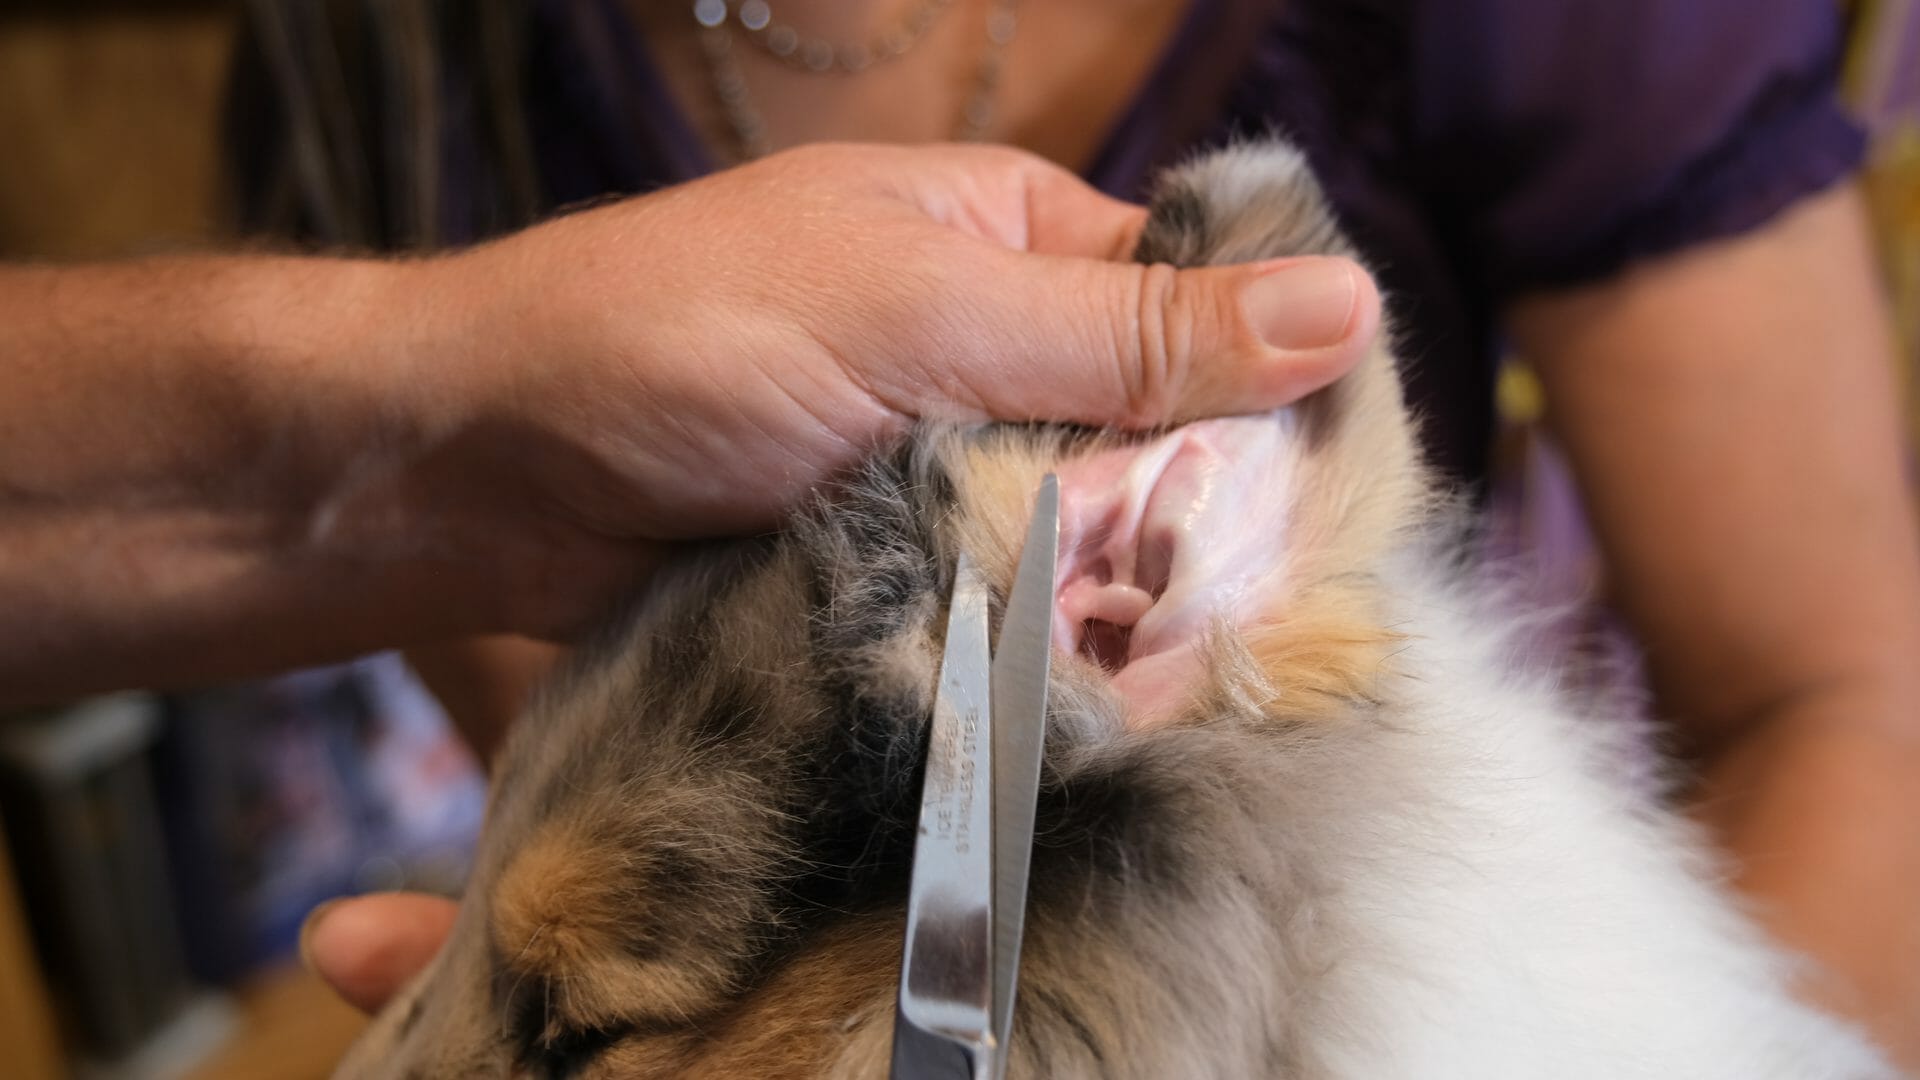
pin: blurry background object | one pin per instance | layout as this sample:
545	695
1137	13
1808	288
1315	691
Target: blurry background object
26	1016
77	793
109	120
1883	83
284	793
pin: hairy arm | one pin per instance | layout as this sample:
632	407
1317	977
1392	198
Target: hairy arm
203	466
223	465
1731	415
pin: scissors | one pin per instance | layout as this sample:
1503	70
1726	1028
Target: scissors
966	904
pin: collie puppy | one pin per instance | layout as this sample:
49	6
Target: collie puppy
1302	815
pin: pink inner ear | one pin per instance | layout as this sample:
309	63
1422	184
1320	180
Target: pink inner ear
1160	539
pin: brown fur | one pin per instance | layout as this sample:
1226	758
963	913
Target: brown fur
795	1025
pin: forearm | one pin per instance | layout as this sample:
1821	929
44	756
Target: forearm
1728	411
201	471
1817	801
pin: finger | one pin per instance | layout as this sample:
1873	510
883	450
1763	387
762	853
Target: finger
1136	346
1065	216
367	947
1256	338
1020	201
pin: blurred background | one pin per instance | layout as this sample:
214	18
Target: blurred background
158	853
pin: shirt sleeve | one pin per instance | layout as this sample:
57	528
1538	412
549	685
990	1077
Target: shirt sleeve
1560	140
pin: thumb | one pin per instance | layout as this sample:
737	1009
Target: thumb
1146	345
368	947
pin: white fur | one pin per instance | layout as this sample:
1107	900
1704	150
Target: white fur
1528	913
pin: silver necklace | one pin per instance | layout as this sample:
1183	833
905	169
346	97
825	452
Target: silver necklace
803	52
750	127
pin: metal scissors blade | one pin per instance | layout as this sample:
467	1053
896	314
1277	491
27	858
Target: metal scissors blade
944	1024
966	904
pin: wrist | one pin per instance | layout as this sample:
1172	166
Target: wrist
340	385
489	464
393	423
205	471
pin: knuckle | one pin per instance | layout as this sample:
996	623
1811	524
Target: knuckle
995	157
1163	329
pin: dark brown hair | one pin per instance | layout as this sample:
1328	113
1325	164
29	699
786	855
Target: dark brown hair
337	127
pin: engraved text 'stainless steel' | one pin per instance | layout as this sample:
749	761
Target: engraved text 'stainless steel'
966	906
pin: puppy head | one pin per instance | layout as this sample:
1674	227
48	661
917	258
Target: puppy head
679	825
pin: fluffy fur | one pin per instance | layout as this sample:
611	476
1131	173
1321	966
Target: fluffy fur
1366	848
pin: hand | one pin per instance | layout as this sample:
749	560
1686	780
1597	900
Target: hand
690	363
367	947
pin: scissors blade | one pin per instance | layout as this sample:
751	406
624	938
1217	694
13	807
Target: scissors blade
943	1024
1020	661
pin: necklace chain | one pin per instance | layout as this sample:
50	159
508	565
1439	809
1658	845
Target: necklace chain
803	52
749	124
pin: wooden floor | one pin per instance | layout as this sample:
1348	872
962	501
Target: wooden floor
291	1028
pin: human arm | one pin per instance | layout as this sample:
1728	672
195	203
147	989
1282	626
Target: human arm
172	433
1730	413
211	466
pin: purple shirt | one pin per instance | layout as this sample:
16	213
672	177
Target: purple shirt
1476	149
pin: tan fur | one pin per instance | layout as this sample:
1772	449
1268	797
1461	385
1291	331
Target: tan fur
1326	650
797	1025
560	913
997	482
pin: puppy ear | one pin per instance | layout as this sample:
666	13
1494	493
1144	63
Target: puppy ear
1250	201
1259	200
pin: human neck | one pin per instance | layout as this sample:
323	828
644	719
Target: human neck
839	20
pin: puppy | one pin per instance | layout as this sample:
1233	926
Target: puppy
1301	816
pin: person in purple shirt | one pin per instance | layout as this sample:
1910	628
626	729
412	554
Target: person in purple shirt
1646	198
